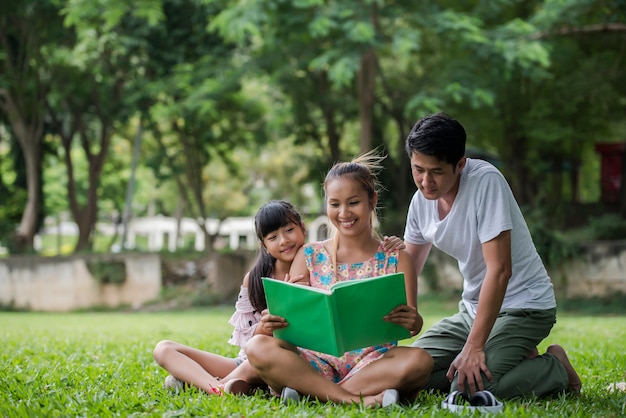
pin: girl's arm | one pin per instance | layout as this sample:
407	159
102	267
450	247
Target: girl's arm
299	273
245	319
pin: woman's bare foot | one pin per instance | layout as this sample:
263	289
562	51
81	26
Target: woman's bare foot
373	401
237	387
573	380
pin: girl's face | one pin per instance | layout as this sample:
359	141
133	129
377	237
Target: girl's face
283	243
348	206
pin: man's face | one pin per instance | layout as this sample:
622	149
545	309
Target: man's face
435	179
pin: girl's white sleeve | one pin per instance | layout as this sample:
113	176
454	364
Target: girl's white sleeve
244	319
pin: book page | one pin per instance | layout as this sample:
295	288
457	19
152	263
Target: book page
308	311
360	307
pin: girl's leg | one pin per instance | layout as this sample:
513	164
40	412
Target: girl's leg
193	366
278	364
406	369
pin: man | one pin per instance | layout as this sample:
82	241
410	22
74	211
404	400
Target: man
465	208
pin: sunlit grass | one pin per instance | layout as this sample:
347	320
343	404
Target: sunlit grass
100	364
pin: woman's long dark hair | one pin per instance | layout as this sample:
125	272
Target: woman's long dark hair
270	217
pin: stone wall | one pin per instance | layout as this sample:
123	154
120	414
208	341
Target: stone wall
65	283
599	270
222	272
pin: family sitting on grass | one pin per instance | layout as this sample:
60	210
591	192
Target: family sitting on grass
463	207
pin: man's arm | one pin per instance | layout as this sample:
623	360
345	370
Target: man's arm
471	360
407	315
419	254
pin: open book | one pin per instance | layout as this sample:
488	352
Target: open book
347	317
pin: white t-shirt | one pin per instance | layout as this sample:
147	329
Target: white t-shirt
483	208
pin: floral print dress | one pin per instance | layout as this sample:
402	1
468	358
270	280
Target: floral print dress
322	275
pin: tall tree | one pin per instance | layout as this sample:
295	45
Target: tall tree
201	112
27	29
100	79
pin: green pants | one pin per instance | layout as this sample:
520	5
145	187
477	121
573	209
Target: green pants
515	334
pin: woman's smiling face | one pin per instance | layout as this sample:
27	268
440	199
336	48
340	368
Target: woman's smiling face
348	206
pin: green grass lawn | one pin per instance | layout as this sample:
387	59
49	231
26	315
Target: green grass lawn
100	364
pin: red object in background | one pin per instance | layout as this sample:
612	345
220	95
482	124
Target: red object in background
611	176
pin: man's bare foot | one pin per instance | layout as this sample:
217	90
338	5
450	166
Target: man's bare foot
573	380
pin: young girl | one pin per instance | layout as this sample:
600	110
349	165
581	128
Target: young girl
356	252
281	233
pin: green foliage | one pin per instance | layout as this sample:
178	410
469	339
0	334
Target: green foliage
192	294
607	227
537	83
553	248
107	271
429	273
10	212
100	364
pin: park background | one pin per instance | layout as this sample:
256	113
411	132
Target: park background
112	111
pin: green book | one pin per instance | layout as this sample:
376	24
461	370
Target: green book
347	316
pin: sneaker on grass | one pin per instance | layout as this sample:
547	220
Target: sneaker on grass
173	384
289	396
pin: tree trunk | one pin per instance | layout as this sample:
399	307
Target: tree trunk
516	168
329	117
401	193
27	228
130	189
574	175
366	85
88	215
556	172
621	197
29	137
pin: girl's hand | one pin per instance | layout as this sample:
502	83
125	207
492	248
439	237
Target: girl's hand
393	243
407	317
270	322
299	279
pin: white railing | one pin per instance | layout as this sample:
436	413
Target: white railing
160	230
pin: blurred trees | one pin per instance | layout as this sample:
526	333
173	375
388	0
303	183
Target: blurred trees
238	102
28	29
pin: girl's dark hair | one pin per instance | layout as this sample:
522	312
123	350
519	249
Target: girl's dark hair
270	217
